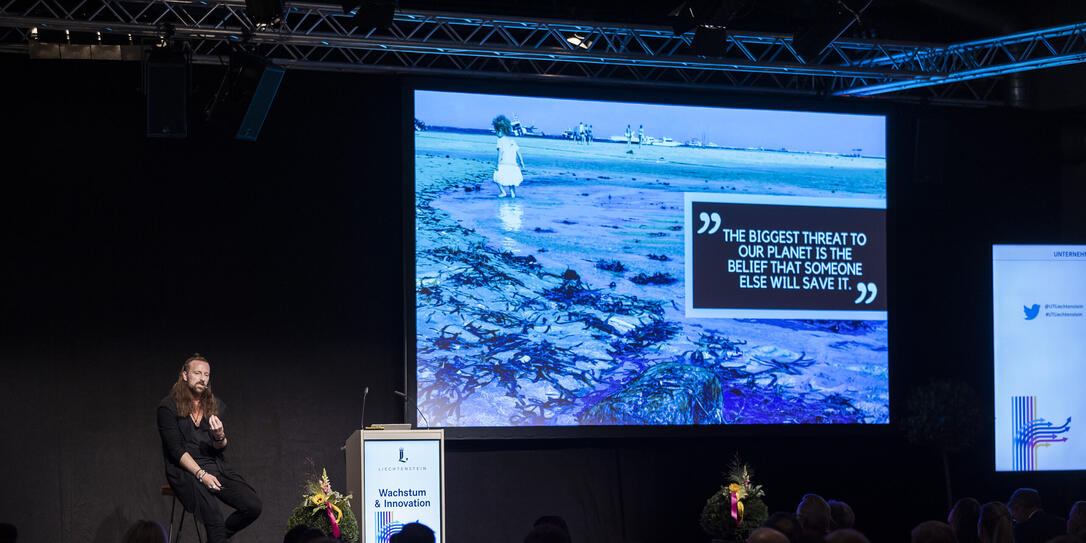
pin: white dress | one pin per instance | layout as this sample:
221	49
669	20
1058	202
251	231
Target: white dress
508	172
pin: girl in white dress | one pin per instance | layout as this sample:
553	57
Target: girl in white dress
508	174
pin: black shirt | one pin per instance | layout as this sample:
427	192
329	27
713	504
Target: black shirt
181	435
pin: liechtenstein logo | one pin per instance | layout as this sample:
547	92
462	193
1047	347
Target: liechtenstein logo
402	457
1031	432
1032	311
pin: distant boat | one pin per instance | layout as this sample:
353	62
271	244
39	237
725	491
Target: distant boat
649	140
519	129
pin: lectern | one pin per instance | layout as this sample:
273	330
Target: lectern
396	477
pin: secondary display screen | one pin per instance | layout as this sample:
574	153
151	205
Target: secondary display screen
583	262
1039	320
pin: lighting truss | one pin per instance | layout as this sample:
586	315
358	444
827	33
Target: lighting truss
320	36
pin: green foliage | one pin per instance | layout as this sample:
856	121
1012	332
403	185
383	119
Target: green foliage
717	521
304	515
716	516
945	414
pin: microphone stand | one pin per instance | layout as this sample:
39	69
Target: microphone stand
417	410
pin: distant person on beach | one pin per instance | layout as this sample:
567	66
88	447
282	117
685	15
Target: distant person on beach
588	134
508	175
640	135
629	139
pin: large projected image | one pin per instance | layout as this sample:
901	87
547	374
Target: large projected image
1039	319
585	262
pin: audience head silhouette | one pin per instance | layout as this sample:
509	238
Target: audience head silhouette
145	531
546	533
841	514
963	519
1076	520
846	535
994	525
785	523
1024	503
413	533
766	535
556	521
933	531
302	534
814	515
8	533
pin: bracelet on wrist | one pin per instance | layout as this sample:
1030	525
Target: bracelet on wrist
200	475
218	439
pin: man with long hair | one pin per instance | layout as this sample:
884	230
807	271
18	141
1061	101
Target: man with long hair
193	442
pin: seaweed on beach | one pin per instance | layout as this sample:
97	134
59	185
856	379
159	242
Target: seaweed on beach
572	292
588	320
790	367
843	327
523	262
846	327
720	347
630	305
513	341
645	335
429	294
666	393
615	266
658	278
680	392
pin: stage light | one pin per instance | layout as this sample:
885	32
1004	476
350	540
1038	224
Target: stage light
371	14
834	20
265	13
578	40
710	41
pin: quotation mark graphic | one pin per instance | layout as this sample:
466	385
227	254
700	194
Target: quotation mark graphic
706	219
866	289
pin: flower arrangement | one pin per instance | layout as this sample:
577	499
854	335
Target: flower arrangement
737	509
326	510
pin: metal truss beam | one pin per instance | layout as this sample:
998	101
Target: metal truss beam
320	36
981	59
314	34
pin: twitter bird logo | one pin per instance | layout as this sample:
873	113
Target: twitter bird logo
1032	311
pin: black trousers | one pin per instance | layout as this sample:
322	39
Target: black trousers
236	493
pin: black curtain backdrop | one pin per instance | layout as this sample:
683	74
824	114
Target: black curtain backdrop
282	261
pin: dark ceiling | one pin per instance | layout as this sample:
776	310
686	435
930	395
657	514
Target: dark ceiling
938	21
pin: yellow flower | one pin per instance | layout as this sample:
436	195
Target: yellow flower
734	487
317	499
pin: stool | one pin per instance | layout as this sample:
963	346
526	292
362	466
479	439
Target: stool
167	491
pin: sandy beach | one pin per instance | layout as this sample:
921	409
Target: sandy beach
564	306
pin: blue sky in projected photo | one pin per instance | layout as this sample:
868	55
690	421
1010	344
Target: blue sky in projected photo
771	129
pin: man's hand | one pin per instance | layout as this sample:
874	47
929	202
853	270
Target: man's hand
211	482
217	430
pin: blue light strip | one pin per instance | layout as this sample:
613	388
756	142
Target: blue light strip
1013	39
1039	38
